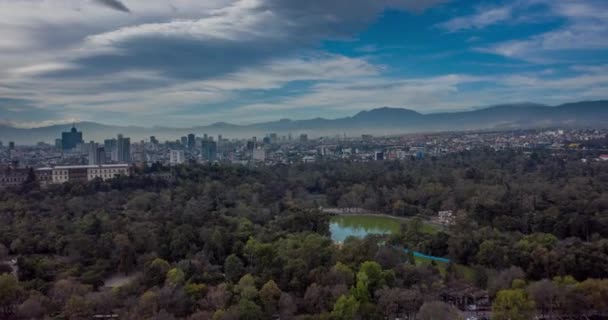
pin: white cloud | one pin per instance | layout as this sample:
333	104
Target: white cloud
585	27
482	18
42	68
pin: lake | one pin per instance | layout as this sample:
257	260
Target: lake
359	226
342	227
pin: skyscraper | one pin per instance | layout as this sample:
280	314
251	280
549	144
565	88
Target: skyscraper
250	145
70	139
109	146
96	154
123	147
209	150
274	138
91	150
191	141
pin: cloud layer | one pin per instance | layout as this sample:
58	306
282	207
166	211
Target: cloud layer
190	62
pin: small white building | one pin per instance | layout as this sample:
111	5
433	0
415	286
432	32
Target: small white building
308	159
177	157
446	217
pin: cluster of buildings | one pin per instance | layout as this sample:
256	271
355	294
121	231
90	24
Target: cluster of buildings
115	150
13	176
71	156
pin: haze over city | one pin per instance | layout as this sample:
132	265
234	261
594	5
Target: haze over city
304	159
186	63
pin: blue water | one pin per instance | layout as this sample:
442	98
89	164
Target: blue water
342	227
426	256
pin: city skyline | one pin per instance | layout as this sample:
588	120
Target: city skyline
186	63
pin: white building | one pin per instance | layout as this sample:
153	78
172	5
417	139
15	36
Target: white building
259	154
177	157
446	217
108	171
62	174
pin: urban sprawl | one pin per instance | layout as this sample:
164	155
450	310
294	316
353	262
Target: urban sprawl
73	159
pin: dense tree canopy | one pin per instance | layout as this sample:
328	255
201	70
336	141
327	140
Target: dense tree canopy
229	242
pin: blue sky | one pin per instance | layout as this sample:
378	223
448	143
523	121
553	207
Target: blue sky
189	62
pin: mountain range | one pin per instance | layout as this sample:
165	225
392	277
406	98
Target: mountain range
385	120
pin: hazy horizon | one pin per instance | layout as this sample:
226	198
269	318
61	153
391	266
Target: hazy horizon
69	123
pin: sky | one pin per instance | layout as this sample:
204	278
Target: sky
187	63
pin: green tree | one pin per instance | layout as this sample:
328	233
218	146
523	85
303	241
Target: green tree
345	308
175	277
512	304
270	295
155	272
246	288
249	310
195	291
233	268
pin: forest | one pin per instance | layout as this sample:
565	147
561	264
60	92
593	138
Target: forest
222	241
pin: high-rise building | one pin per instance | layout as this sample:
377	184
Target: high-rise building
250	145
96	154
273	138
191	141
71	139
109	146
58	143
153	140
303	137
209	150
123	147
91	151
177	157
139	152
184	141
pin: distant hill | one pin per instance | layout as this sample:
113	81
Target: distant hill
377	121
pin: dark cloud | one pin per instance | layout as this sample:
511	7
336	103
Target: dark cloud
19	110
295	26
114	4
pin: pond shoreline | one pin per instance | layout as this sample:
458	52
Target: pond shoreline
360	225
